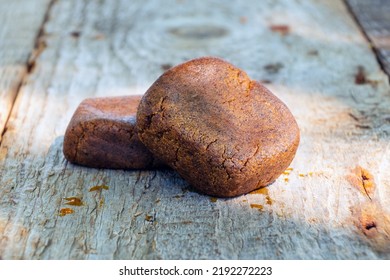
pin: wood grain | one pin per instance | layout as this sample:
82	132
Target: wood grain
374	18
20	23
107	48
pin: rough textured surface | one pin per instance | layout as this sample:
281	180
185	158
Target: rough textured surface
102	134
374	17
17	46
224	133
119	47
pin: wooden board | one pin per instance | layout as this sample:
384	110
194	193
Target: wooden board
374	18
20	23
324	70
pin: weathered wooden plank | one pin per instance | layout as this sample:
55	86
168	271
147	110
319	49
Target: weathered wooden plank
20	23
374	18
318	210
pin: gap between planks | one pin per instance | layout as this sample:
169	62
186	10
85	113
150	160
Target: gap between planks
39	46
366	17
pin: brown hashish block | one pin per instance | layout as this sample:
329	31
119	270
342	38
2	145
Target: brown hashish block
102	134
221	131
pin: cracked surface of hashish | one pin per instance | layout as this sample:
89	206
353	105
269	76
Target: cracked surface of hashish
102	134
224	133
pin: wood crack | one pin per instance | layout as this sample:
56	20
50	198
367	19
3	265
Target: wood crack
40	42
358	17
39	46
363	180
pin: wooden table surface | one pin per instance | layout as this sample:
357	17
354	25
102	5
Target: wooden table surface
334	202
